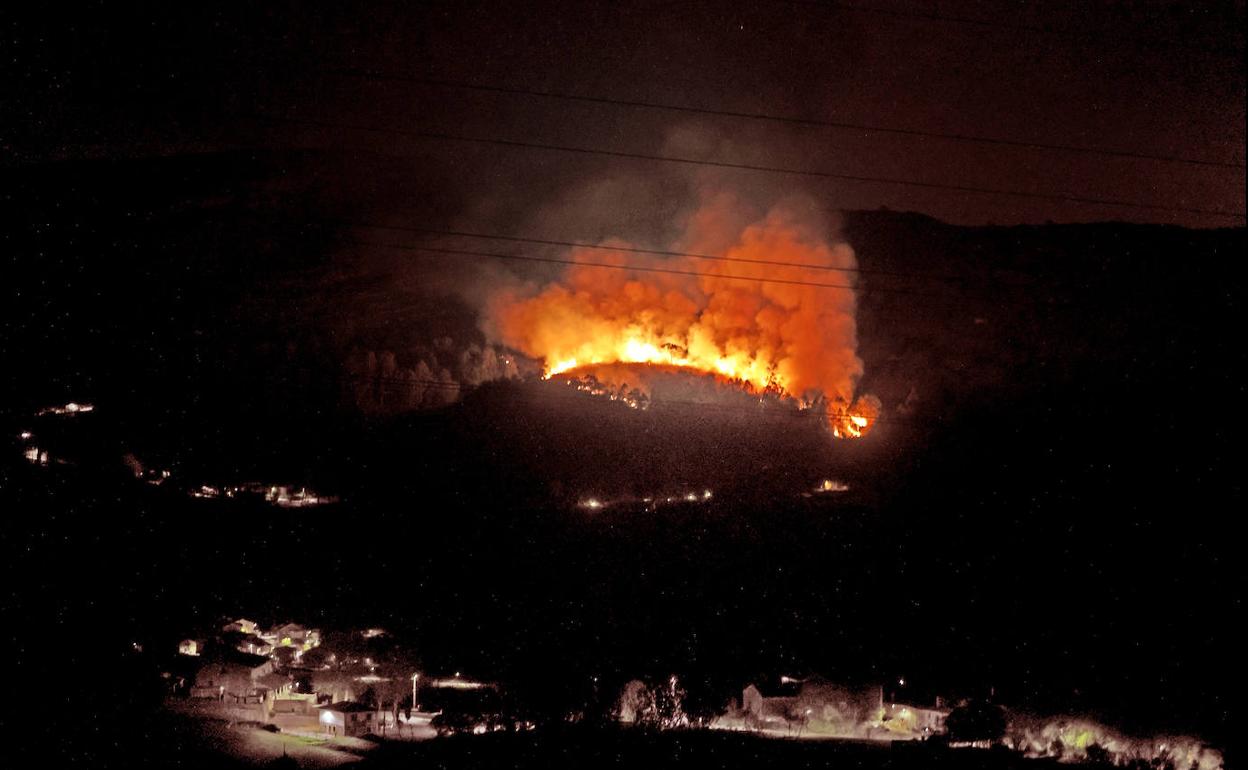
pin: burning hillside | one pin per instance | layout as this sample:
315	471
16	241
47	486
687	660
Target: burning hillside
771	313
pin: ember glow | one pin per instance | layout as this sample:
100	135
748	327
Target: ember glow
779	318
829	485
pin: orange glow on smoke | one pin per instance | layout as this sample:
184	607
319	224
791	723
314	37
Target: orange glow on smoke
790	338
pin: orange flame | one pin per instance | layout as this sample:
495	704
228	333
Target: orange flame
782	334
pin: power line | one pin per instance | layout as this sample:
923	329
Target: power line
946	296
793	120
523	257
712	257
951	301
657	252
649	269
442	136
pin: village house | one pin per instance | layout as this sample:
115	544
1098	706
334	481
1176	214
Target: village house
348	718
242	626
337	686
287	702
915	710
296	497
249	643
293	635
909	719
233	677
770	703
812	702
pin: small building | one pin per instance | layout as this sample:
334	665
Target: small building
811	702
293	635
233	677
296	497
770	702
294	703
191	647
914	709
277	685
348	718
909	719
242	626
250	644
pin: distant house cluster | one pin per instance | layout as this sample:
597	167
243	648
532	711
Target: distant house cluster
245	665
346	683
40	447
653	502
281	495
72	408
37	451
648	503
36	455
818	706
246	636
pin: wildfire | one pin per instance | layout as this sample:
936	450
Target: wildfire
634	350
777	318
852	424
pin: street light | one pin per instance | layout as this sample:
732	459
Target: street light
414	678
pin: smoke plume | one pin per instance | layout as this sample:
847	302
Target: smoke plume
777	314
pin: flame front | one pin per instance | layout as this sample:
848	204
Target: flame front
793	333
635	349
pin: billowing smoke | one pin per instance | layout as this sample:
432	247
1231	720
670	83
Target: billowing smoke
777	315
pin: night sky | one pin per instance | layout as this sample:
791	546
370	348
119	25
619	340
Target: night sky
212	223
1143	79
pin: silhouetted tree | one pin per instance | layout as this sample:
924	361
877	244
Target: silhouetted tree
1099	755
976	721
315	658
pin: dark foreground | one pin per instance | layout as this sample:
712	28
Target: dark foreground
712	749
177	742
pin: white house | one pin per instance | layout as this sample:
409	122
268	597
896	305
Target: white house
348	718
